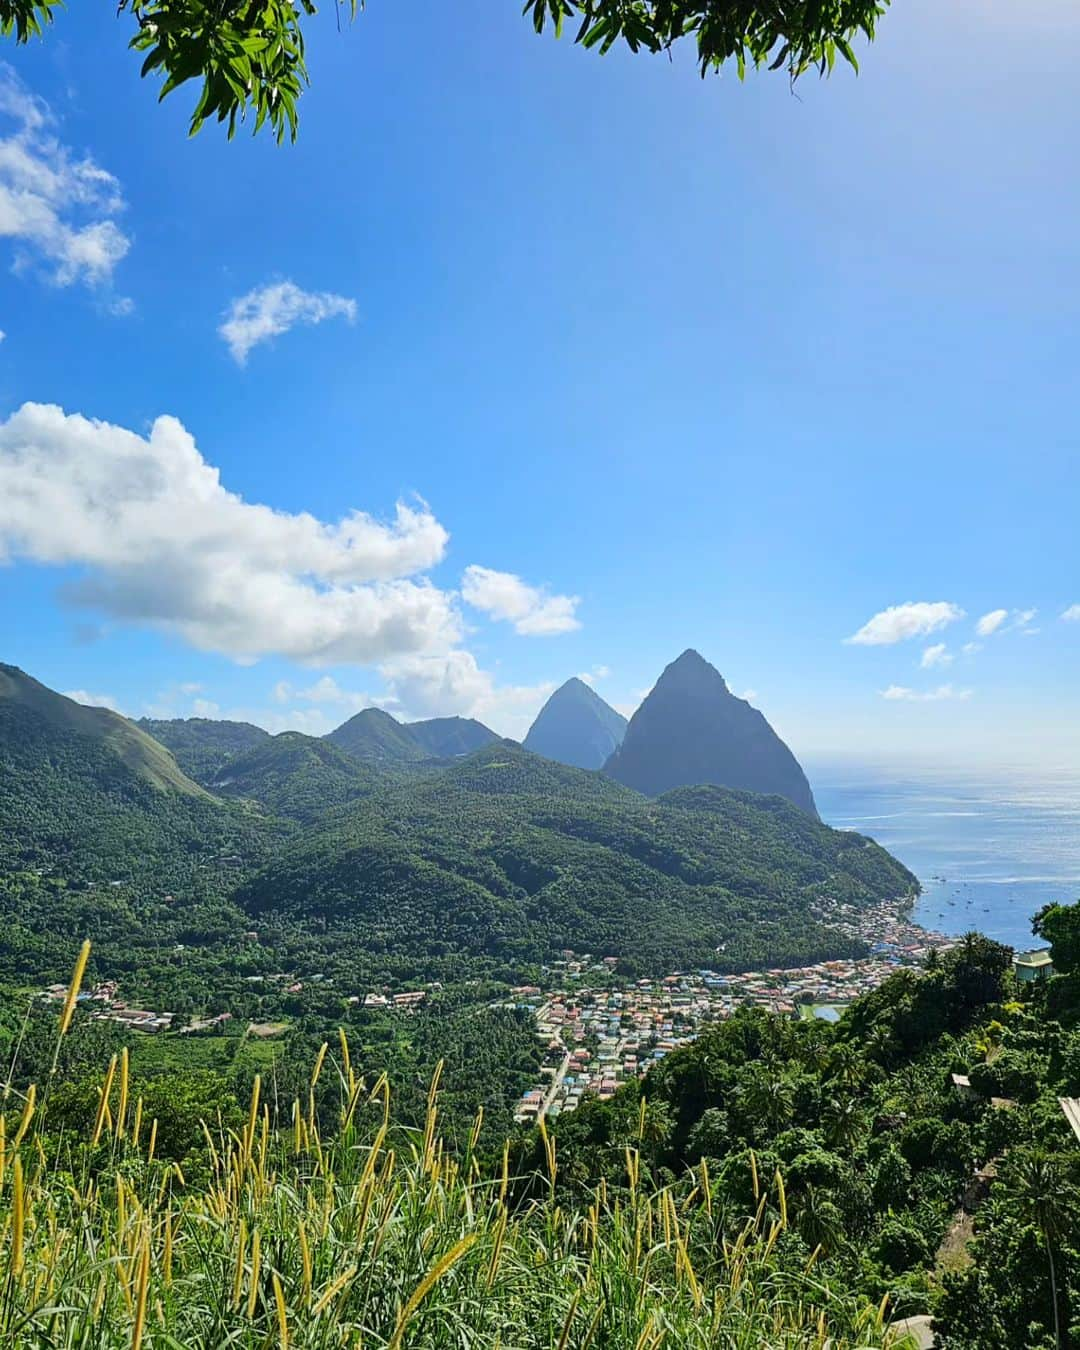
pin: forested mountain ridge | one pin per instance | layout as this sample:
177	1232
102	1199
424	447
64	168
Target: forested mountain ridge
440	867
297	776
516	857
447	737
24	699
692	729
375	736
576	726
202	746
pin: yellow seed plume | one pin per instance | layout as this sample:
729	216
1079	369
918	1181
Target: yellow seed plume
27	1116
565	1334
103	1103
238	1269
253	1289
140	1296
437	1271
121	1110
319	1063
253	1116
153	1142
282	1319
496	1250
345	1057
18	1218
75	986
333	1290
305	1261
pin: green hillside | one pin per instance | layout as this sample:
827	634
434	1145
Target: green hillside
375	736
514	857
298	776
203	746
446	737
23	699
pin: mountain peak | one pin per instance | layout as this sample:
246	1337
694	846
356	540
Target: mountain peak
691	729
692	669
576	727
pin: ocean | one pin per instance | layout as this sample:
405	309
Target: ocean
990	847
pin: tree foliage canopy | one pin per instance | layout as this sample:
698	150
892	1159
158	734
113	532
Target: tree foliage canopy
249	54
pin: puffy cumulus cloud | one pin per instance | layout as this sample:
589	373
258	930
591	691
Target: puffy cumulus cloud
161	542
592	677
989	624
56	207
532	611
937	655
454	684
916	618
416	686
324	691
898	693
1072	614
93	700
1006	621
268	311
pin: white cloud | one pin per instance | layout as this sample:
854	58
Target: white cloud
442	686
205	707
56	207
900	693
162	543
268	311
916	618
970	648
592	677
326	691
1006	621
1072	614
416	686
748	694
532	611
990	623
93	700
937	655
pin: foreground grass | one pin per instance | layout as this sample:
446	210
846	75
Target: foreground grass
374	1238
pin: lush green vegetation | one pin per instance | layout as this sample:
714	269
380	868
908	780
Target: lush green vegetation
317	1221
250	56
516	858
956	1200
202	746
301	777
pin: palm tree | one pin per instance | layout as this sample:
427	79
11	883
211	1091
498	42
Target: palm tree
843	1122
768	1100
1039	1189
819	1221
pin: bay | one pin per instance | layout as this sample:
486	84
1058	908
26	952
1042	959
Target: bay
990	846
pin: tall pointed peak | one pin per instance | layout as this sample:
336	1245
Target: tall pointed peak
691	666
576	726
691	729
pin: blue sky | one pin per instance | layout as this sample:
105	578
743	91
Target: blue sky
650	363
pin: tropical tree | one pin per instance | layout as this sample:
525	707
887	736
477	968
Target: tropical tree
1038	1186
249	54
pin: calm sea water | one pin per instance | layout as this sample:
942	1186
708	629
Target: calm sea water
990	847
